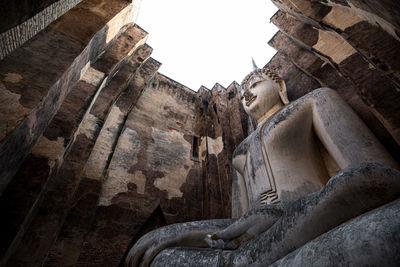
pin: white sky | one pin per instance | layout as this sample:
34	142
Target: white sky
208	41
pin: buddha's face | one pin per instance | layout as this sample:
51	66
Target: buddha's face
259	96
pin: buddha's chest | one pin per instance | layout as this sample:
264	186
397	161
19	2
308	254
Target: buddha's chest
282	161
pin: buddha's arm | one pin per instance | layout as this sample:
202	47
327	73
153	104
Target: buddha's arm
250	225
240	202
345	136
190	234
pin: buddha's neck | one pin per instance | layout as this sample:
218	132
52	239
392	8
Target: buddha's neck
269	113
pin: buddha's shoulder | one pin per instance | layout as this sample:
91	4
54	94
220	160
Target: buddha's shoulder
318	96
244	146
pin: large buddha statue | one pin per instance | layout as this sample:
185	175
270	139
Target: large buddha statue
311	177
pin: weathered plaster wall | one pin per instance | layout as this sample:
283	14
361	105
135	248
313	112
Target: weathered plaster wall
151	169
38	198
83	213
52	63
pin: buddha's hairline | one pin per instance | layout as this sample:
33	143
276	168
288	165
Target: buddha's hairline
266	71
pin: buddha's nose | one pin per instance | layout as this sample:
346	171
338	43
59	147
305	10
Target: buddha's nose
247	94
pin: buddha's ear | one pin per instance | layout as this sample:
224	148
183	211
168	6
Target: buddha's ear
283	92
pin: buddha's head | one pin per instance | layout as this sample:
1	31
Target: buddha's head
261	91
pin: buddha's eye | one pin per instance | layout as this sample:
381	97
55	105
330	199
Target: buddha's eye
256	80
253	84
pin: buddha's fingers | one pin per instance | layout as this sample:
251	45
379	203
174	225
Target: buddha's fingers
233	231
252	223
189	234
173	238
264	221
234	244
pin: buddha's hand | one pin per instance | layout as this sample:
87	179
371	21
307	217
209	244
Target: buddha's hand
246	227
190	234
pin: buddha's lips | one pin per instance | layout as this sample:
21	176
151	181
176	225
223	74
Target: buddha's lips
250	99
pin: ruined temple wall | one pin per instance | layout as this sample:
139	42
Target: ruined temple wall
121	151
164	168
150	173
154	151
224	125
44	148
36	77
